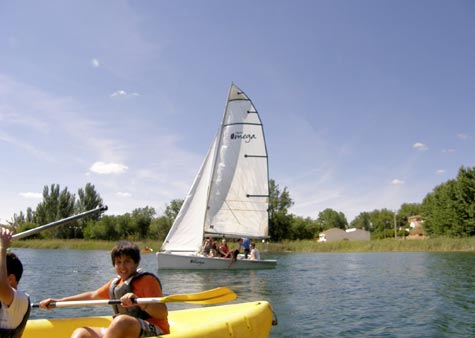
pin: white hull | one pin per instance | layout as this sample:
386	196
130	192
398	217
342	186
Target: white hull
178	261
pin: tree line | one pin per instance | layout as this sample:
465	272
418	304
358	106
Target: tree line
449	210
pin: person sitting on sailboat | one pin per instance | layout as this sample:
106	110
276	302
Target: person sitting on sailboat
206	248
224	249
214	249
245	243
235	253
255	254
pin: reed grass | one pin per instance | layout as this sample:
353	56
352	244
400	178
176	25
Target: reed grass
76	244
438	244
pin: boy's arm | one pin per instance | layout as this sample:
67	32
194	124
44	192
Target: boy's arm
6	291
156	310
89	295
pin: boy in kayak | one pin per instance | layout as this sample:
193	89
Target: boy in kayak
131	320
14	304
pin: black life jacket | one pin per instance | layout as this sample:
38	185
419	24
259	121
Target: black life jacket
16	333
116	292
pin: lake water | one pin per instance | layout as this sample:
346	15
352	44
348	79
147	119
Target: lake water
313	295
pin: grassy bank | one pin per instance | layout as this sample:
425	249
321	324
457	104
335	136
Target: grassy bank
385	245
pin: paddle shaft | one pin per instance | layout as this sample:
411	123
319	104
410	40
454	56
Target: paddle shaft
99	302
56	223
213	296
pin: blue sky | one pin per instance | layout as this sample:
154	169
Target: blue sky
365	104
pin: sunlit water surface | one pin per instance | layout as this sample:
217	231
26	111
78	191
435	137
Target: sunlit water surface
313	295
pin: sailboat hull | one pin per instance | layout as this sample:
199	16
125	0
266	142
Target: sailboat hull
174	261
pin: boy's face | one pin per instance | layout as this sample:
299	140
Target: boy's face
125	266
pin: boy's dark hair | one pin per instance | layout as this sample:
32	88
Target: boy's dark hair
14	266
125	248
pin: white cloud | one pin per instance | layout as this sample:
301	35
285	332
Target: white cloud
95	63
123	194
32	195
463	136
448	151
420	146
397	182
123	93
108	168
440	171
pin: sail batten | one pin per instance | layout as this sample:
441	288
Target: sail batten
239	123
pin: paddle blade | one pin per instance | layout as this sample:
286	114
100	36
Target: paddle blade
222	299
205	297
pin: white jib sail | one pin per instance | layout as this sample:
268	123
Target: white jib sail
186	233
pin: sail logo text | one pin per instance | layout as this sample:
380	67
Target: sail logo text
245	137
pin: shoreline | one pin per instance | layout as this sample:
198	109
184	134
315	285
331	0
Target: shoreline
439	244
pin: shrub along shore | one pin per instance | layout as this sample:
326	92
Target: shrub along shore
439	244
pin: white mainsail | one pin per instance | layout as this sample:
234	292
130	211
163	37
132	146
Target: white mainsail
238	199
230	195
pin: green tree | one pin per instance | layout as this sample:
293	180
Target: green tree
142	217
407	210
56	205
303	228
382	223
439	210
103	229
465	196
172	210
362	221
18	220
88	199
279	220
450	208
330	218
29	215
47	210
66	209
126	227
159	228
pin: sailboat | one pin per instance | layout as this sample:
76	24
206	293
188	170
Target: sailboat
229	197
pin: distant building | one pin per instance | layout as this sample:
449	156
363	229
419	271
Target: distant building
336	234
415	221
416	227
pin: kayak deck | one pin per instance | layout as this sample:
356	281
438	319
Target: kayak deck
253	319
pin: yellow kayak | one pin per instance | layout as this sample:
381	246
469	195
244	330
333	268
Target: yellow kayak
146	250
253	319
